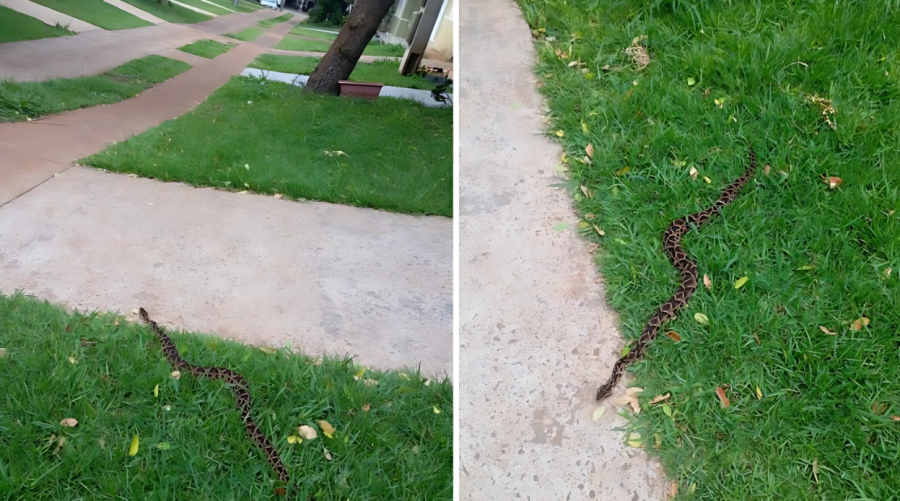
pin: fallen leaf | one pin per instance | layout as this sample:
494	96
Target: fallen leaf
887	272
806	267
359	374
815	469
586	191
176	374
307	432
660	398
156	391
72	359
859	323
675	336
707	180
294	439
895	418
673	489
598	230
327	454
598	413
135	443
694	172
758	393
278	196
268	349
60	442
560	133
740	282
3	352
561	226
701	318
71	422
584	127
624	170
327	429
635	405
163	446
826	331
634	390
247	166
707	282
692	488
281	491
436	410
667	409
634	440
370	382
691	81
767	169
589	149
722	397
879	408
834	182
366	407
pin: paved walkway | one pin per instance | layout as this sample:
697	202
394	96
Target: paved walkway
98	51
324	278
134	11
49	16
536	336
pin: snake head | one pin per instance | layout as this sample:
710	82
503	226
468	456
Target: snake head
144	315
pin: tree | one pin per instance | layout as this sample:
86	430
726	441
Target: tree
345	51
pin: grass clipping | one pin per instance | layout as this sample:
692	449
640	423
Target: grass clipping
639	55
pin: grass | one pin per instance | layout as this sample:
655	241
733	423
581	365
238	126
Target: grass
18	27
96	12
722	76
206	48
169	12
102	370
385	72
268	23
300	30
398	153
242	6
23	100
293	42
248	35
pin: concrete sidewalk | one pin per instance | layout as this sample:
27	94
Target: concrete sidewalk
49	16
94	52
536	336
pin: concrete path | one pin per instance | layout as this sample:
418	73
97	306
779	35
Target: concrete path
134	11
49	16
98	51
195	9
536	336
422	96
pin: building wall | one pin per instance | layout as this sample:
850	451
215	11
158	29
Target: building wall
442	36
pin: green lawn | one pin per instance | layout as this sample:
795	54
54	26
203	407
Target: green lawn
398	154
299	30
385	72
243	6
206	48
112	377
23	100
268	23
212	9
171	13
18	27
810	413
293	42
248	35
96	12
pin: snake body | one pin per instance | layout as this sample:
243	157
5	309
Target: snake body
238	386
687	268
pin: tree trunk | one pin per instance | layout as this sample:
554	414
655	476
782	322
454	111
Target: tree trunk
345	51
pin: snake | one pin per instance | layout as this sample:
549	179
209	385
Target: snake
688	269
239	387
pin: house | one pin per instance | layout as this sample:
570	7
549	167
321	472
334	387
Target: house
401	22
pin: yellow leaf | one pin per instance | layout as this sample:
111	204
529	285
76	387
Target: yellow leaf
370	382
70	422
307	432
634	440
72	360
598	413
156	391
560	133
436	410
701	318
584	127
359	373
586	191
674	335
740	282
826	331
176	374
404	376
758	393
694	172
135	443
859	323
708	180
599	231
294	439
624	170
327	429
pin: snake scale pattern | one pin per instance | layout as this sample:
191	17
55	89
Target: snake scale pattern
688	269
238	386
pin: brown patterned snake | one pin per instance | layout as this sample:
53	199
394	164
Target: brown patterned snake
681	261
238	386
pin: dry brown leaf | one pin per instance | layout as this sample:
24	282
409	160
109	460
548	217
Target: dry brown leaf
635	406
694	172
879	408
834	182
722	397
586	191
307	432
707	282
673	489
366	407
675	336
176	374
826	331
589	150
277	195
859	323
767	169
327	454
895	418
327	429
71	422
281	491
634	390
660	398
